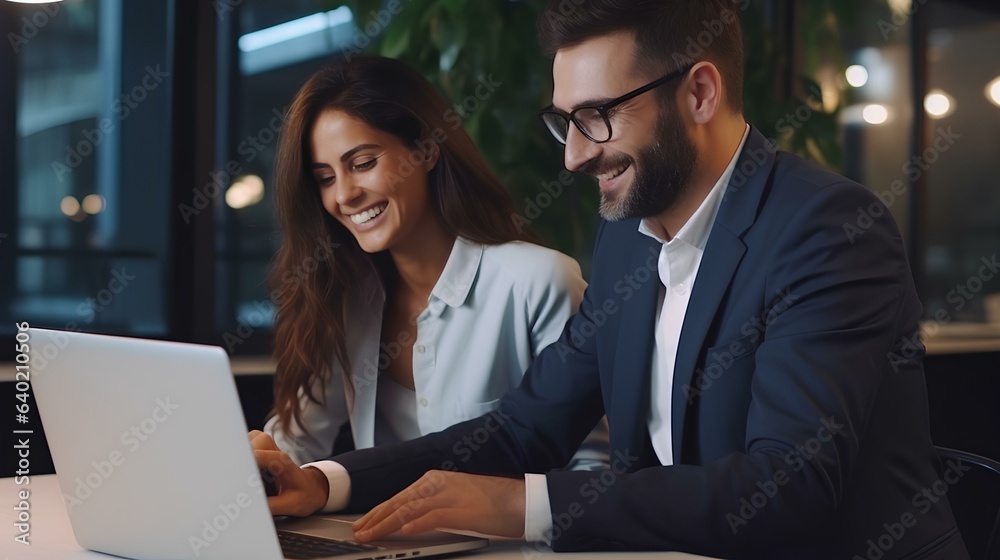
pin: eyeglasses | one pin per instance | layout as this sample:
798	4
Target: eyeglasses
593	121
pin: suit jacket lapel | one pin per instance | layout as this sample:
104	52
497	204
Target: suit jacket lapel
723	253
633	356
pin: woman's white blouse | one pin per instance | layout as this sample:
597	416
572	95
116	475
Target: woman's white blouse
490	313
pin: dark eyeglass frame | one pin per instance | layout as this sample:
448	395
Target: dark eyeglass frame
603	109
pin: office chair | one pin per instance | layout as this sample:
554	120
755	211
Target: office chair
975	501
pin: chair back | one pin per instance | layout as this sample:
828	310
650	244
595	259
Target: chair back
975	500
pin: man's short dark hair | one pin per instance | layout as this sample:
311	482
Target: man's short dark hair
669	34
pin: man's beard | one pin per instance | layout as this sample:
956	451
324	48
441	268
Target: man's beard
662	173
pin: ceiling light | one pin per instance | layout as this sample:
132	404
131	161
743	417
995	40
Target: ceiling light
245	191
993	91
70	206
93	204
938	104
875	114
857	75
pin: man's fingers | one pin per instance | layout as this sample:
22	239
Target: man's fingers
382	512
378	513
437	519
392	515
418	521
387	526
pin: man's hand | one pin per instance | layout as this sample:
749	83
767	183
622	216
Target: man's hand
449	500
301	491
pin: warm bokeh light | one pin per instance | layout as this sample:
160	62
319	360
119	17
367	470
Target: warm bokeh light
901	6
245	191
857	75
993	91
69	206
938	104
93	204
875	114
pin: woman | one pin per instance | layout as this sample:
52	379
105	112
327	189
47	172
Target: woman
431	303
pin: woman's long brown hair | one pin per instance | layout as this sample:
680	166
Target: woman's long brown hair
320	265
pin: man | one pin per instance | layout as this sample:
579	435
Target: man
747	351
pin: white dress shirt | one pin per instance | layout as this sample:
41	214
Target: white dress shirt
490	313
678	265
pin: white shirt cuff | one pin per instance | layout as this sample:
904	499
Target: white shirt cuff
537	511
340	484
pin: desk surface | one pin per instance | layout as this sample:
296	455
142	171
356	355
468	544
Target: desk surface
52	536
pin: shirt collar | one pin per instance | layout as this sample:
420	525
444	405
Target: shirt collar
459	273
452	287
696	230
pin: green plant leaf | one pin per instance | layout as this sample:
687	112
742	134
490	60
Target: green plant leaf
454	7
395	41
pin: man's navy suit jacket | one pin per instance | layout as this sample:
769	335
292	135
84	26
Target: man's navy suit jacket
799	409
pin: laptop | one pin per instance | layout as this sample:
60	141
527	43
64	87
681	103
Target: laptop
154	463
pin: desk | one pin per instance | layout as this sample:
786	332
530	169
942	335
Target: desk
52	536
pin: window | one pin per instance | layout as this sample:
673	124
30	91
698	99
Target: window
268	50
958	165
89	181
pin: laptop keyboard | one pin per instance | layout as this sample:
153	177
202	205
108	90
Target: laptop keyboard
294	545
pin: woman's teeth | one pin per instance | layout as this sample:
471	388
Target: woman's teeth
368	215
612	174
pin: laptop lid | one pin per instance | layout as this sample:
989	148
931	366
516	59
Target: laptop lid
150	448
153	459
